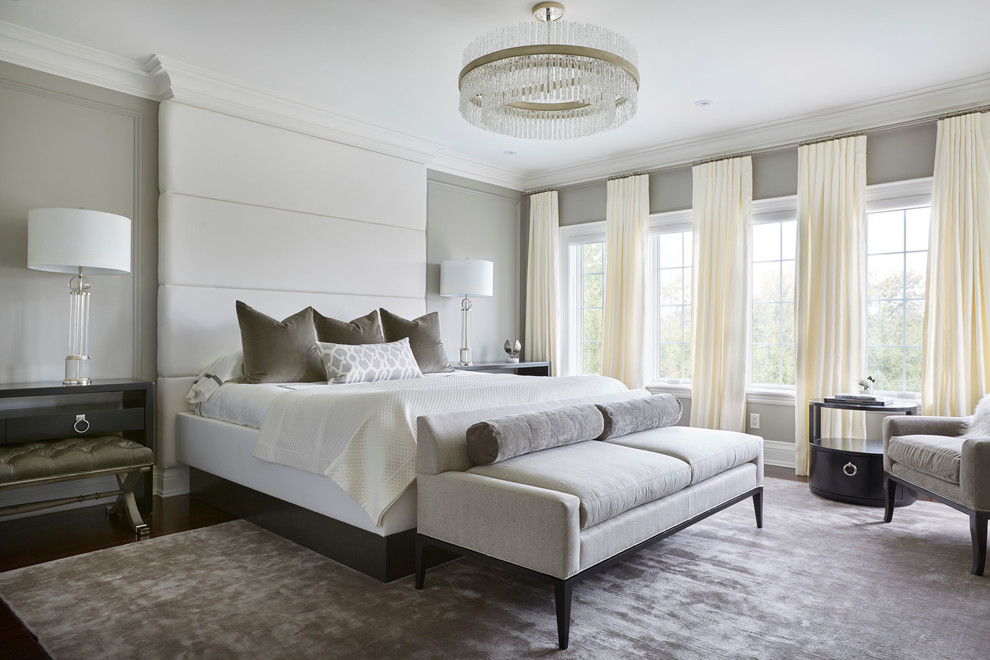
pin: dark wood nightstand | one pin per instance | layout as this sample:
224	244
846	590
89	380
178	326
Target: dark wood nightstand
131	412
520	368
848	469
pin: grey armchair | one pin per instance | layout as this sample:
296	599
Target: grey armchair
926	454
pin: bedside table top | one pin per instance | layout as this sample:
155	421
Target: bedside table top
9	390
480	366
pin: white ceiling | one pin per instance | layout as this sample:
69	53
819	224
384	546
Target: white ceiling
766	65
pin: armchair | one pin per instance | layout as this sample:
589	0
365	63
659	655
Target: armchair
926	454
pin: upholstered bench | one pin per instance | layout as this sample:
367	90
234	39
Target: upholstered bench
52	461
560	493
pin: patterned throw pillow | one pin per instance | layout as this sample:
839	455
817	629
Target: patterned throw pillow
367	363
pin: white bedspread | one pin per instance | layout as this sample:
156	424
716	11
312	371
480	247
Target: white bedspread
364	437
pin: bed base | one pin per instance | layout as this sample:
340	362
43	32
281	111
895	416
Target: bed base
384	558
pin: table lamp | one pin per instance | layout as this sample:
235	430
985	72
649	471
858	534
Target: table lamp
471	278
83	243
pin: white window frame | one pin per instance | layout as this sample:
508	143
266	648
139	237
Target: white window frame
570	235
774	209
895	196
663	223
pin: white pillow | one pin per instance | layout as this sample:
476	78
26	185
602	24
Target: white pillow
215	374
978	425
368	363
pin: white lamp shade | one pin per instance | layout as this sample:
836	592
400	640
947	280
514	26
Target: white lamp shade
65	240
468	278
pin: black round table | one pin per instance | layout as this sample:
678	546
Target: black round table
851	469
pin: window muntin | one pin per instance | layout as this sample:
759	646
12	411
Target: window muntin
896	267
773	268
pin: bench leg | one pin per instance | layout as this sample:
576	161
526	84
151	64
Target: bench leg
758	506
126	503
978	531
890	486
562	596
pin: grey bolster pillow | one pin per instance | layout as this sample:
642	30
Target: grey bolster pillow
633	415
514	435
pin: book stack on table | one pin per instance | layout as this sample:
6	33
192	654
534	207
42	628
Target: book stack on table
863	399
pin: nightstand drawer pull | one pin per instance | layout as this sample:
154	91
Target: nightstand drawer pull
81	419
849	470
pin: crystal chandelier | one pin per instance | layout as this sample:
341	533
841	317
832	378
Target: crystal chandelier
551	80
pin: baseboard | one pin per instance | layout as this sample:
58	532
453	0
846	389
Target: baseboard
780	454
171	481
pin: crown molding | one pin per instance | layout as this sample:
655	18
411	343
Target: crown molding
451	163
42	52
885	111
161	78
205	89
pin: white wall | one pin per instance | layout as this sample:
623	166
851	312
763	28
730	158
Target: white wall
468	219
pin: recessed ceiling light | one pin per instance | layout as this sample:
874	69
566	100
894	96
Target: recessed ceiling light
701	103
509	153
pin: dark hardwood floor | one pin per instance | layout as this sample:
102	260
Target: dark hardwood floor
41	538
37	539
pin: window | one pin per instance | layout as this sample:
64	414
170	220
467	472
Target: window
896	263
582	297
590	261
772	313
671	252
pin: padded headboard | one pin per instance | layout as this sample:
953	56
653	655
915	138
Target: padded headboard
280	220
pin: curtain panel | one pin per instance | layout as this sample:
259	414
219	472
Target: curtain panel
624	322
540	339
830	296
955	370
723	210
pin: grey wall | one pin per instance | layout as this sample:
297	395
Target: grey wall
68	144
470	219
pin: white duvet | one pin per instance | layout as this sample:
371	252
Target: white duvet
363	435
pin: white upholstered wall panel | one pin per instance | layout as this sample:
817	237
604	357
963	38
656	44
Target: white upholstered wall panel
209	154
206	242
280	220
199	323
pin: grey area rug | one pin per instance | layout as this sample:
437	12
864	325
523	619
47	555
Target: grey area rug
821	580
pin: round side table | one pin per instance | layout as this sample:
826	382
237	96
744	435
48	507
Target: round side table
850	469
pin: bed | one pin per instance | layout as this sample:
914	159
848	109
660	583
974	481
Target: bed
344	484
283	220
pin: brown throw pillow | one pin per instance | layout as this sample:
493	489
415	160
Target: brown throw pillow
363	330
424	337
279	351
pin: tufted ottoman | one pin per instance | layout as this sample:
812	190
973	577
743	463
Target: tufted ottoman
52	461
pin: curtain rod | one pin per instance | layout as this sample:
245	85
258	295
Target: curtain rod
541	190
715	159
792	145
627	175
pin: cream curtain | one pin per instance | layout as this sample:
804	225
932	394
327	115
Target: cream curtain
830	296
624	323
723	210
540	340
956	363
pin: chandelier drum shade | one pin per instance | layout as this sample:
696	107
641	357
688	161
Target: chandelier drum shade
549	80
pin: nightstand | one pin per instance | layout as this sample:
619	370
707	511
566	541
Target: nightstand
520	368
124	406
